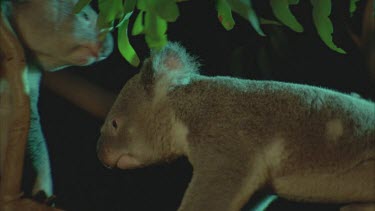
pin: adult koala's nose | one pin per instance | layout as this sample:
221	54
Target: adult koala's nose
107	141
106	47
103	153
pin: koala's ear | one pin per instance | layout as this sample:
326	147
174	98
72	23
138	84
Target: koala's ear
147	75
173	65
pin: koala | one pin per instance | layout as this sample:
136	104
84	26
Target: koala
304	143
53	37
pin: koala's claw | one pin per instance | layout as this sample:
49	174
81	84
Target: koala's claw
51	201
41	197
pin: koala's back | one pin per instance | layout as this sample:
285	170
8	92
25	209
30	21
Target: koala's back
268	107
299	129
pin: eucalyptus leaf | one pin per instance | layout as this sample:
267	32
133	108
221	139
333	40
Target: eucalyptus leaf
265	21
80	5
353	6
253	18
245	9
293	2
129	6
124	46
282	12
168	10
124	18
321	12
138	27
128	10
225	14
155	28
110	10
142	5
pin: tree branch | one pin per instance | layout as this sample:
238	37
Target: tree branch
14	122
80	92
17	118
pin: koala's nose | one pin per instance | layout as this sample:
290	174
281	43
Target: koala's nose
106	47
102	153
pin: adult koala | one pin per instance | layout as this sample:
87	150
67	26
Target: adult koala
303	142
53	37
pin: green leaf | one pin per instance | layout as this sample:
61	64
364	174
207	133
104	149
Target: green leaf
293	2
128	10
245	9
353	6
155	28
129	6
124	18
224	13
267	21
143	5
124	46
138	27
167	9
109	11
321	12
282	12
80	5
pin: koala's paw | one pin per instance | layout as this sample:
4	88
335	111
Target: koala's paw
43	184
42	197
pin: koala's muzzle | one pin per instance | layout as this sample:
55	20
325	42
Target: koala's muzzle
104	154
105	47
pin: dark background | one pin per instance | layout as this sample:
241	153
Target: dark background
82	183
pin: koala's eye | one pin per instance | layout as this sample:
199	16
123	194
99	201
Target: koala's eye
85	15
114	124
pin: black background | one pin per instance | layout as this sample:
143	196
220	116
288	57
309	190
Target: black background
82	183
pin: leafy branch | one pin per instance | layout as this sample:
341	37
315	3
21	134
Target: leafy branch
154	15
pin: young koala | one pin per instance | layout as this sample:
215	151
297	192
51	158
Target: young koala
305	143
53	37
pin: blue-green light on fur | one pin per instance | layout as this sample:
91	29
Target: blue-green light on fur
264	204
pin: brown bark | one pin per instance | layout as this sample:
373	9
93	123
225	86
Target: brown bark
18	116
25	205
80	92
365	40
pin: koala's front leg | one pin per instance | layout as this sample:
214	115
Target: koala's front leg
224	188
38	153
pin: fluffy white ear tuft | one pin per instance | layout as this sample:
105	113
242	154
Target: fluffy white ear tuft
174	62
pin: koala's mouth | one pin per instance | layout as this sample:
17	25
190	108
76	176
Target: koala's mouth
83	54
127	161
87	54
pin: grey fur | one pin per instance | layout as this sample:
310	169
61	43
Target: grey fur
53	37
306	143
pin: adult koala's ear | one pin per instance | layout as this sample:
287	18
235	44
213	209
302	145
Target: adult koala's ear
169	67
147	75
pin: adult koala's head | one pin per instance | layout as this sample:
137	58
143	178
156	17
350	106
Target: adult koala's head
141	127
55	36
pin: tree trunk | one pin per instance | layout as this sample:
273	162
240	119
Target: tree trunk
14	122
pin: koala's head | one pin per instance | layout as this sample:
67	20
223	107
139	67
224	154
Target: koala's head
55	36
139	129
